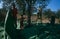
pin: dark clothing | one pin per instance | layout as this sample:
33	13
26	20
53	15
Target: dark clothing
21	21
15	16
14	12
52	19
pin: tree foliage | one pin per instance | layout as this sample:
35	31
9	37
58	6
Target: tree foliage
48	13
58	14
28	4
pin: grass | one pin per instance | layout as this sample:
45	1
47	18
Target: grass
45	31
41	31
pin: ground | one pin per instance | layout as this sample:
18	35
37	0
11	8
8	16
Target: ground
38	31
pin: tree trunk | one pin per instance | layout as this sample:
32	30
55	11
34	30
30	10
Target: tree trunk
29	15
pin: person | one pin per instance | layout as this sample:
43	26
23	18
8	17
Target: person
14	14
38	15
52	19
21	22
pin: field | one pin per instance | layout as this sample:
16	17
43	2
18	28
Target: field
38	31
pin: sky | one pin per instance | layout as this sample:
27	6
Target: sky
54	5
1	4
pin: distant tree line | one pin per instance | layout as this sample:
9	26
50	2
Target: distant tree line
48	13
